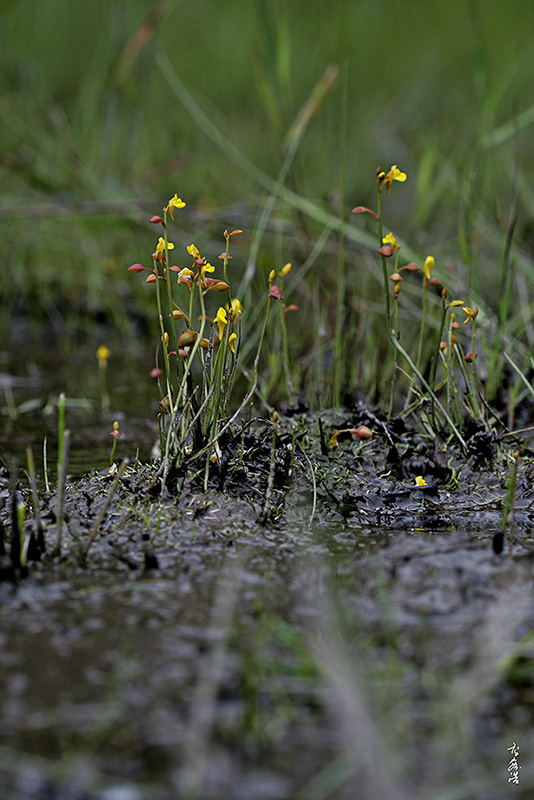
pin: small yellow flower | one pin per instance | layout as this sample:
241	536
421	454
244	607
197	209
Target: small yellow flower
115	432
456	303
160	248
193	251
427	268
394	174
286	269
420	481
221	321
206	268
272	275
174	202
231	342
472	313
390	239
235	309
102	354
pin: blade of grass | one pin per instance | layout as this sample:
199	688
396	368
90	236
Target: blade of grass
293	199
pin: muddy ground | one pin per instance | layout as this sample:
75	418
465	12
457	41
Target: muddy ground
313	626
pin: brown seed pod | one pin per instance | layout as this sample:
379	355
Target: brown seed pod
187	338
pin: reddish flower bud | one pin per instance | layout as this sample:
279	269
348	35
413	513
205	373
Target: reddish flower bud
386	250
364	210
469	357
275	292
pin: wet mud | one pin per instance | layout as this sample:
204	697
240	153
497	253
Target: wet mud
314	625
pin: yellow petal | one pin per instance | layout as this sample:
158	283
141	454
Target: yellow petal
237	308
286	269
396	174
427	268
390	239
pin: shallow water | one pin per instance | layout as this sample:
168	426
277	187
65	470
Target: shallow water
30	384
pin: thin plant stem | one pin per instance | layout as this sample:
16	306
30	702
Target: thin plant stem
340	303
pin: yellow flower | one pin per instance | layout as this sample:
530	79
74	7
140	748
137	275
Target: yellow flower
160	248
286	269
390	239
235	309
394	174
472	313
272	275
206	268
174	202
427	268
221	321
115	432
193	251
102	354
420	481
231	341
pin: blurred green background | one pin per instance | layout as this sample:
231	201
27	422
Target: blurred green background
108	108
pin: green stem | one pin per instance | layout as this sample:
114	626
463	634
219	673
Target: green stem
384	265
423	322
340	305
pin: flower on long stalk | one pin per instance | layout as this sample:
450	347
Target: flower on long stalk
427	268
471	313
236	309
221	321
174	202
159	253
386	179
392	241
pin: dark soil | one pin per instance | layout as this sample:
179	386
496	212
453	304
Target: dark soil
315	625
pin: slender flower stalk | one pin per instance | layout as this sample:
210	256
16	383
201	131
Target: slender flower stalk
427	270
196	396
385	250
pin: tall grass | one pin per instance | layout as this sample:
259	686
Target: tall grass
135	101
